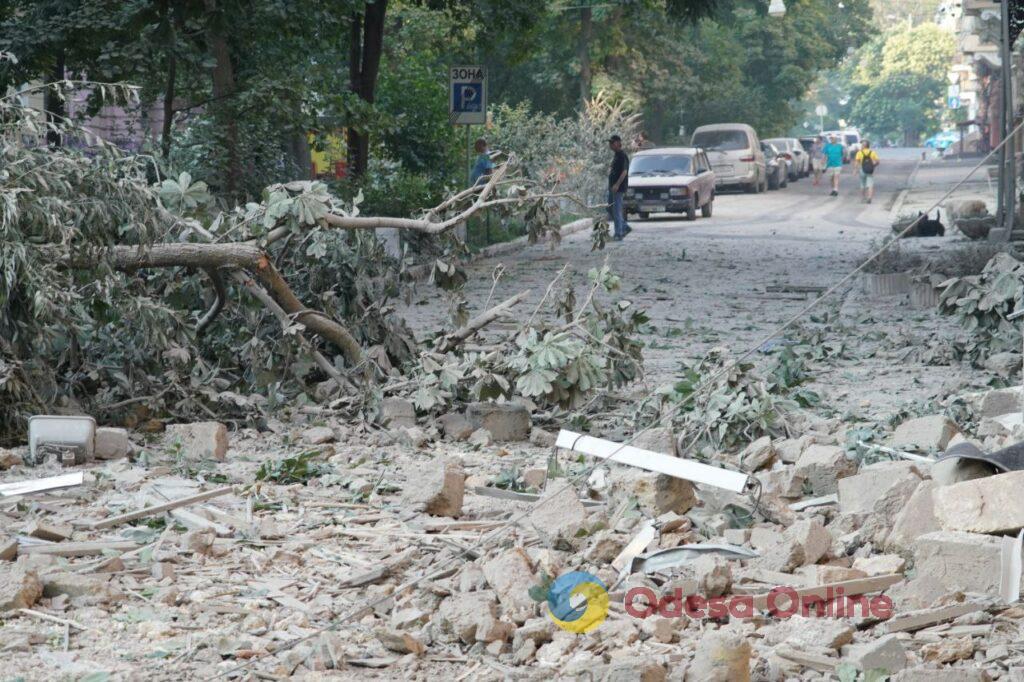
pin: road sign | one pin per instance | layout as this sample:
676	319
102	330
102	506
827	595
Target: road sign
953	102
953	91
467	95
821	110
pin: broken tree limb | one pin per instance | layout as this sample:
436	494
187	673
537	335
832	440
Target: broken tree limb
159	508
244	256
452	340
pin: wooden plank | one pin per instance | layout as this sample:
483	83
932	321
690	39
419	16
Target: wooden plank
36	485
502	494
922	619
806	659
78	548
160	508
851	588
194	521
54	532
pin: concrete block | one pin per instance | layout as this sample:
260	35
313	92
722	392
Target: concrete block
20	588
655	492
885	653
558	516
318	435
924	433
860	492
510	575
659	439
721	656
821	466
1001	401
880	564
396	412
111	443
437	488
983	505
917	518
757	455
200	440
506	421
959	561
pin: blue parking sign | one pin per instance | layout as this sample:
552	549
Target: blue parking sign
467	95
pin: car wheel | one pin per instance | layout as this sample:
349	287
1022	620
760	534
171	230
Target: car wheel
705	210
764	185
784	183
691	210
773	182
751	188
644	215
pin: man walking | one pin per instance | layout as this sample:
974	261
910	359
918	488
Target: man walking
618	182
833	152
866	162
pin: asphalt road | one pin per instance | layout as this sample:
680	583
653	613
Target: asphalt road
703	284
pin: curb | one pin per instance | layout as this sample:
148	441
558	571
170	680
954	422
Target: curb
901	199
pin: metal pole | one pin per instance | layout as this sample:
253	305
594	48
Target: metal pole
1007	156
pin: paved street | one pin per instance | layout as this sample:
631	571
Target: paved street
703	284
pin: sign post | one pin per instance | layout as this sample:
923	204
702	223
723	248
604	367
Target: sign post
821	110
467	101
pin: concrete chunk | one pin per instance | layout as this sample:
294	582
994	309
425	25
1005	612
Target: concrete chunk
20	588
396	412
437	487
505	421
916	518
983	505
860	492
721	656
880	564
318	435
885	653
111	443
757	455
821	466
924	433
656	492
510	575
200	440
558	516
1000	401
960	561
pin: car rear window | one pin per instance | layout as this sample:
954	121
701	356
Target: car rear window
783	144
661	164
721	139
852	139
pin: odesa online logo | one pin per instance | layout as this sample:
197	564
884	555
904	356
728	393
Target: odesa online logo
578	601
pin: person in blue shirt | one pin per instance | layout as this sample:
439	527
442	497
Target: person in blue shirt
483	166
833	152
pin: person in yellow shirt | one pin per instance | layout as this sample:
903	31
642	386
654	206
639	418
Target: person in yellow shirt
866	162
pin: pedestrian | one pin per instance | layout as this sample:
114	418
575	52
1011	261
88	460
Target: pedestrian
483	166
818	159
644	142
618	182
833	153
866	162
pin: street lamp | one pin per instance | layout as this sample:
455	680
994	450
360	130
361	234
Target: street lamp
777	8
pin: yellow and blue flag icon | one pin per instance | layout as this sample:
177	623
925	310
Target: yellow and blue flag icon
578	601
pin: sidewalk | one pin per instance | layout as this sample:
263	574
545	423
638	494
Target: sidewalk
934	177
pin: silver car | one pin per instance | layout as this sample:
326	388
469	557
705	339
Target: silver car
799	160
735	154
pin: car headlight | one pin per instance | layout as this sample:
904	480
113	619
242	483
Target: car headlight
678	191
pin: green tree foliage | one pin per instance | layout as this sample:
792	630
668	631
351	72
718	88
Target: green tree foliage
900	103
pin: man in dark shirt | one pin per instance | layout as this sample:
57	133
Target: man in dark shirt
618	182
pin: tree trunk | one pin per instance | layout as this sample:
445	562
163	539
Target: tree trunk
366	44
53	101
172	70
223	78
583	53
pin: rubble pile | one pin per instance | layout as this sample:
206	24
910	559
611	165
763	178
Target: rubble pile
320	549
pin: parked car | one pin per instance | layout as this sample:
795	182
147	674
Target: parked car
734	150
777	165
852	139
670	180
794	151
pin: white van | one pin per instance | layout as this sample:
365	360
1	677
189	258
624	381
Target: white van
735	154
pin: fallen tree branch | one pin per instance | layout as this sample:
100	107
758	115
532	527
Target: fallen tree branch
243	256
452	340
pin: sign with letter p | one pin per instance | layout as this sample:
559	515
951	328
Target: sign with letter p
467	95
